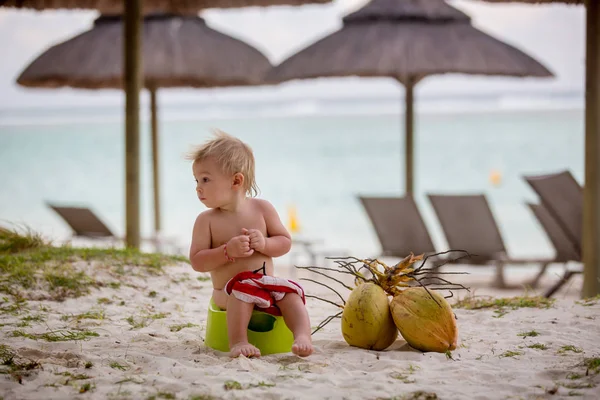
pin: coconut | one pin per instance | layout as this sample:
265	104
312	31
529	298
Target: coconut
366	320
425	320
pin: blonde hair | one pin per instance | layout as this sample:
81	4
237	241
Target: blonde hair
232	155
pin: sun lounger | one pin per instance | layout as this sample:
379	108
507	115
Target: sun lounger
565	250
469	224
562	198
399	226
86	224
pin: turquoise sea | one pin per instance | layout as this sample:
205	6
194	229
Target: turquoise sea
315	155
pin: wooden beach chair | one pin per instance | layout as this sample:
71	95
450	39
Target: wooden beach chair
562	196
469	224
564	248
561	199
399	226
86	224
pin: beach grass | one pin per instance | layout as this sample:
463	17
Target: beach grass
513	303
178	327
589	301
532	333
29	264
592	364
510	353
569	347
538	346
11	364
57	335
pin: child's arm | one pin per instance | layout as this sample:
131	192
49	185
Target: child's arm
205	259
202	257
278	241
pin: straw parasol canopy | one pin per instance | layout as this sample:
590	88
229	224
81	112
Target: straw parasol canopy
115	7
536	1
177	51
407	40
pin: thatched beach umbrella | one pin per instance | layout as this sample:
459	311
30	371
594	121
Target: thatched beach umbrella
132	13
591	190
536	1
116	7
407	40
177	51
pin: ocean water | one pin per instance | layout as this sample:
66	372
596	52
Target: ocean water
315	156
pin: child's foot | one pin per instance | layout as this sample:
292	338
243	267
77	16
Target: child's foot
302	346
245	349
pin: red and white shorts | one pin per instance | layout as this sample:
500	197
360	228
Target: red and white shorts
262	290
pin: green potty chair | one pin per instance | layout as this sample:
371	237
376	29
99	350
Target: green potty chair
267	332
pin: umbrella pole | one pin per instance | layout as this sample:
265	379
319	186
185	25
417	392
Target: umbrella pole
409	142
132	79
155	172
591	190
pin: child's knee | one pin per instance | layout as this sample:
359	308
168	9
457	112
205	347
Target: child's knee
234	301
291	297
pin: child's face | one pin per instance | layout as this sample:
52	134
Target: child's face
213	186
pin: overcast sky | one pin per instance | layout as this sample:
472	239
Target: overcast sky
553	34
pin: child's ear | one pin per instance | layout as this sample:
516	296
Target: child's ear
238	180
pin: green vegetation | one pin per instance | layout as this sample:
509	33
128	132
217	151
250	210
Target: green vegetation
162	395
144	320
177	328
569	347
92	314
57	336
592	364
119	366
12	365
589	301
532	333
477	303
418	395
510	353
29	263
538	346
232	385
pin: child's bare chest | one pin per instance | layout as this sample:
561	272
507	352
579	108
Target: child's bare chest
224	228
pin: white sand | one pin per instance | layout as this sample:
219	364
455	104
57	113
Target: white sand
155	361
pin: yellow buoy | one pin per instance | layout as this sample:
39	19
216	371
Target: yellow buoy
495	177
293	224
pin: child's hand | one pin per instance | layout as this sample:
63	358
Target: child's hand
257	239
239	246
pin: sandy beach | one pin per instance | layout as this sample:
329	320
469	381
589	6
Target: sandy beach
340	103
142	338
